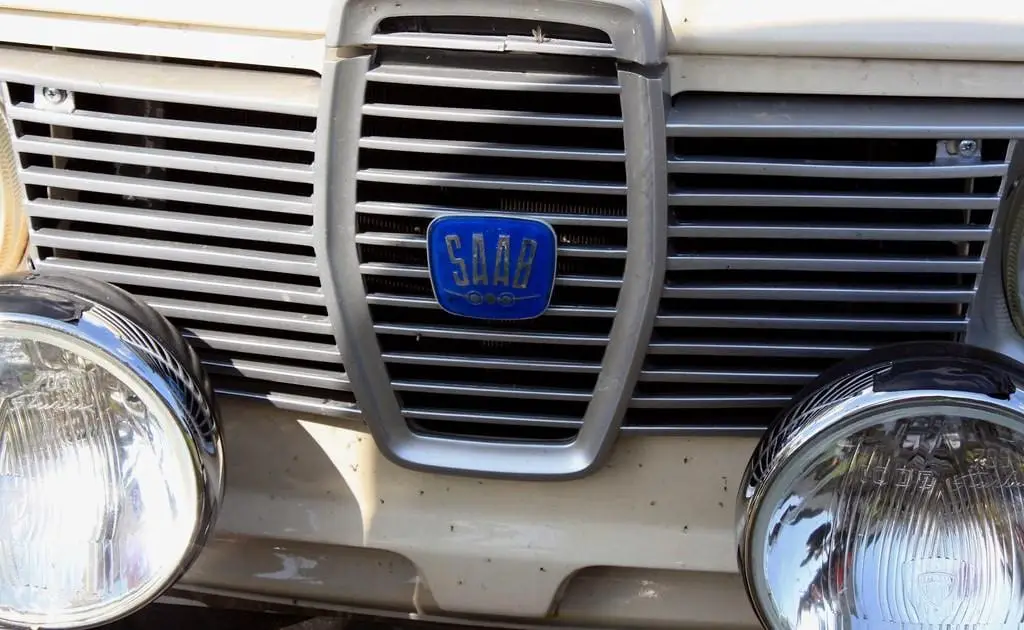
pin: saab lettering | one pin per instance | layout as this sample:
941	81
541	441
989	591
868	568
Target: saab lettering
478	262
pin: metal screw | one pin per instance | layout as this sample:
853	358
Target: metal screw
967	148
55	96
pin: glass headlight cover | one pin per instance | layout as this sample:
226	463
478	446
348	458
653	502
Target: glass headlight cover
110	460
13	222
891	495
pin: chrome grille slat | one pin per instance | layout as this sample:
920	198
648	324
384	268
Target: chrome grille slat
265	346
462	389
444	332
289	375
179	222
179	252
766	116
726	348
806	200
726	376
563	310
490	149
708	402
168	191
828	232
492	418
415	241
812	323
491	116
496	44
183	281
240	316
825	263
148	156
490	363
460	180
160	128
410	271
422	211
818	293
440	76
851	170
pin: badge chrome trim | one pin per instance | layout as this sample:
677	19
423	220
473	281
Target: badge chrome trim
492	266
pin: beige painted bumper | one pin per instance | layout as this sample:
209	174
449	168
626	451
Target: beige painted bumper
314	514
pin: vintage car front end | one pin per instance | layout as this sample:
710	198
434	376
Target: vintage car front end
479	310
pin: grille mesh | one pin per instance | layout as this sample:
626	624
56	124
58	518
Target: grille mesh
203	211
447	131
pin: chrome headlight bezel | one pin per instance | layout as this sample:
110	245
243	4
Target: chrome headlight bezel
853	397
140	348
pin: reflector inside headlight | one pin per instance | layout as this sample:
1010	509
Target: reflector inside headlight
105	492
893	497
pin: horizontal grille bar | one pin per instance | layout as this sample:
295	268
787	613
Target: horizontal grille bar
492	116
854	170
179	222
813	323
148	156
439	76
817	293
460	180
451	332
555	310
170	191
178	252
725	348
826	263
830	232
415	241
490	149
163	128
805	200
422	211
183	281
241	316
267	346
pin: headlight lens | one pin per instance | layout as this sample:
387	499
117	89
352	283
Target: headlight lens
104	490
874	506
13	223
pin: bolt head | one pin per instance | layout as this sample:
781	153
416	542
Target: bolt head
55	96
967	148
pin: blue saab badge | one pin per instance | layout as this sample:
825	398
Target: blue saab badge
490	266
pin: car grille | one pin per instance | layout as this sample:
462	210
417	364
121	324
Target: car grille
204	211
791	243
455	131
791	248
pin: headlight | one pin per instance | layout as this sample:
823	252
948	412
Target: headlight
110	458
891	495
13	223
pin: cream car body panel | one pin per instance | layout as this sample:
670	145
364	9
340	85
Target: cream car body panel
324	517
